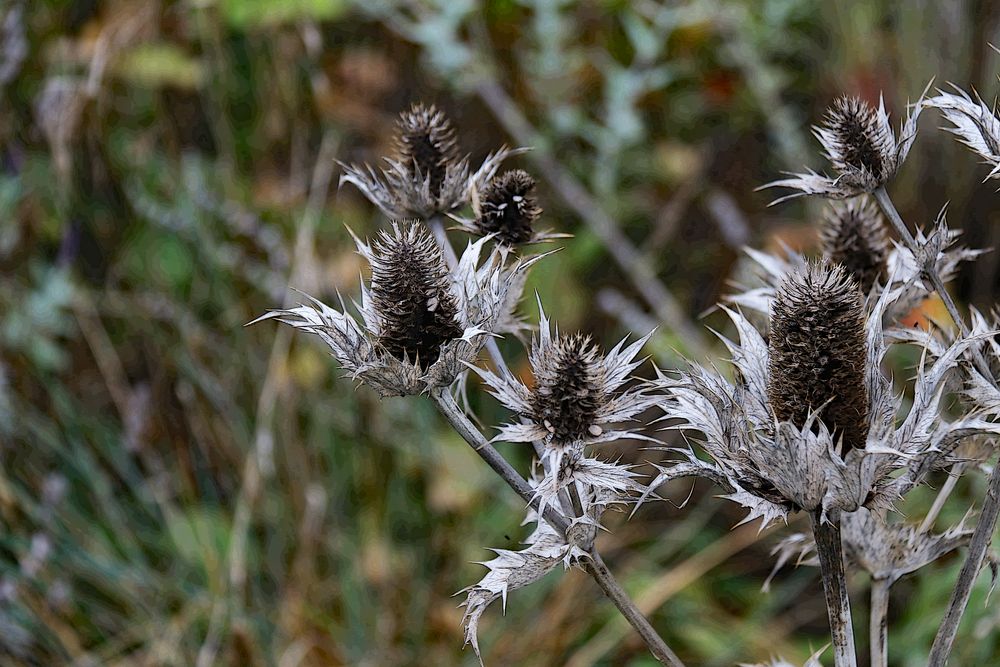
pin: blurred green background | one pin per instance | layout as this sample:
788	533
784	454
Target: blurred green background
176	489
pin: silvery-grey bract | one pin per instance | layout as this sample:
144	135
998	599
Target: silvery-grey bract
887	550
861	147
427	176
904	275
974	123
774	467
576	397
854	235
420	324
544	549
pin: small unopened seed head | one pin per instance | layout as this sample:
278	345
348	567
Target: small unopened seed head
409	290
818	353
508	208
427	143
568	390
854	236
860	144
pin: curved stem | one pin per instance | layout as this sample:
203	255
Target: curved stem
878	623
594	565
838	604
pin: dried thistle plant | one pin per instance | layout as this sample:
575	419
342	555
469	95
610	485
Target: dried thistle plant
862	148
420	323
427	177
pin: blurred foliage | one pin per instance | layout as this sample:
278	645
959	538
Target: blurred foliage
176	489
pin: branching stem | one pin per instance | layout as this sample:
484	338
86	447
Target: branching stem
594	565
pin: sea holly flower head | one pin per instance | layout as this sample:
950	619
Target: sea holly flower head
862	148
778	444
420	324
427	176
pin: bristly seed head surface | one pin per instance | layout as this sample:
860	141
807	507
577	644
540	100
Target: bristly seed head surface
853	235
508	208
860	139
818	353
427	142
410	292
568	389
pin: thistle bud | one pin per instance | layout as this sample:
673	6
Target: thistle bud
427	144
818	353
410	295
861	147
508	208
569	389
854	236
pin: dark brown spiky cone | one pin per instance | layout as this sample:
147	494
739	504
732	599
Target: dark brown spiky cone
818	352
409	291
854	236
567	393
427	143
508	208
861	142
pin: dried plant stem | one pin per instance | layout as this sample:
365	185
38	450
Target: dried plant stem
942	496
885	203
978	546
838	604
878	623
594	565
981	537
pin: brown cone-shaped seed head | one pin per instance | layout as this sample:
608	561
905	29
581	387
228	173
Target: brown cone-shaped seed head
567	393
508	207
818	353
854	236
427	144
861	142
409	291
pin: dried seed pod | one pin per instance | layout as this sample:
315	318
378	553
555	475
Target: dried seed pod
568	392
854	236
508	208
427	144
410	295
818	354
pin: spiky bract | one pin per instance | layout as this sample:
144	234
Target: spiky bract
854	236
817	355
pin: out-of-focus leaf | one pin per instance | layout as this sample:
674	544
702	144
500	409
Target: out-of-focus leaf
248	14
160	64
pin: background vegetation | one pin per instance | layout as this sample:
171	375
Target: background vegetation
176	489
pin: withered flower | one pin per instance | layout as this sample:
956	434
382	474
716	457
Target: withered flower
861	146
854	235
420	324
817	353
775	462
427	176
